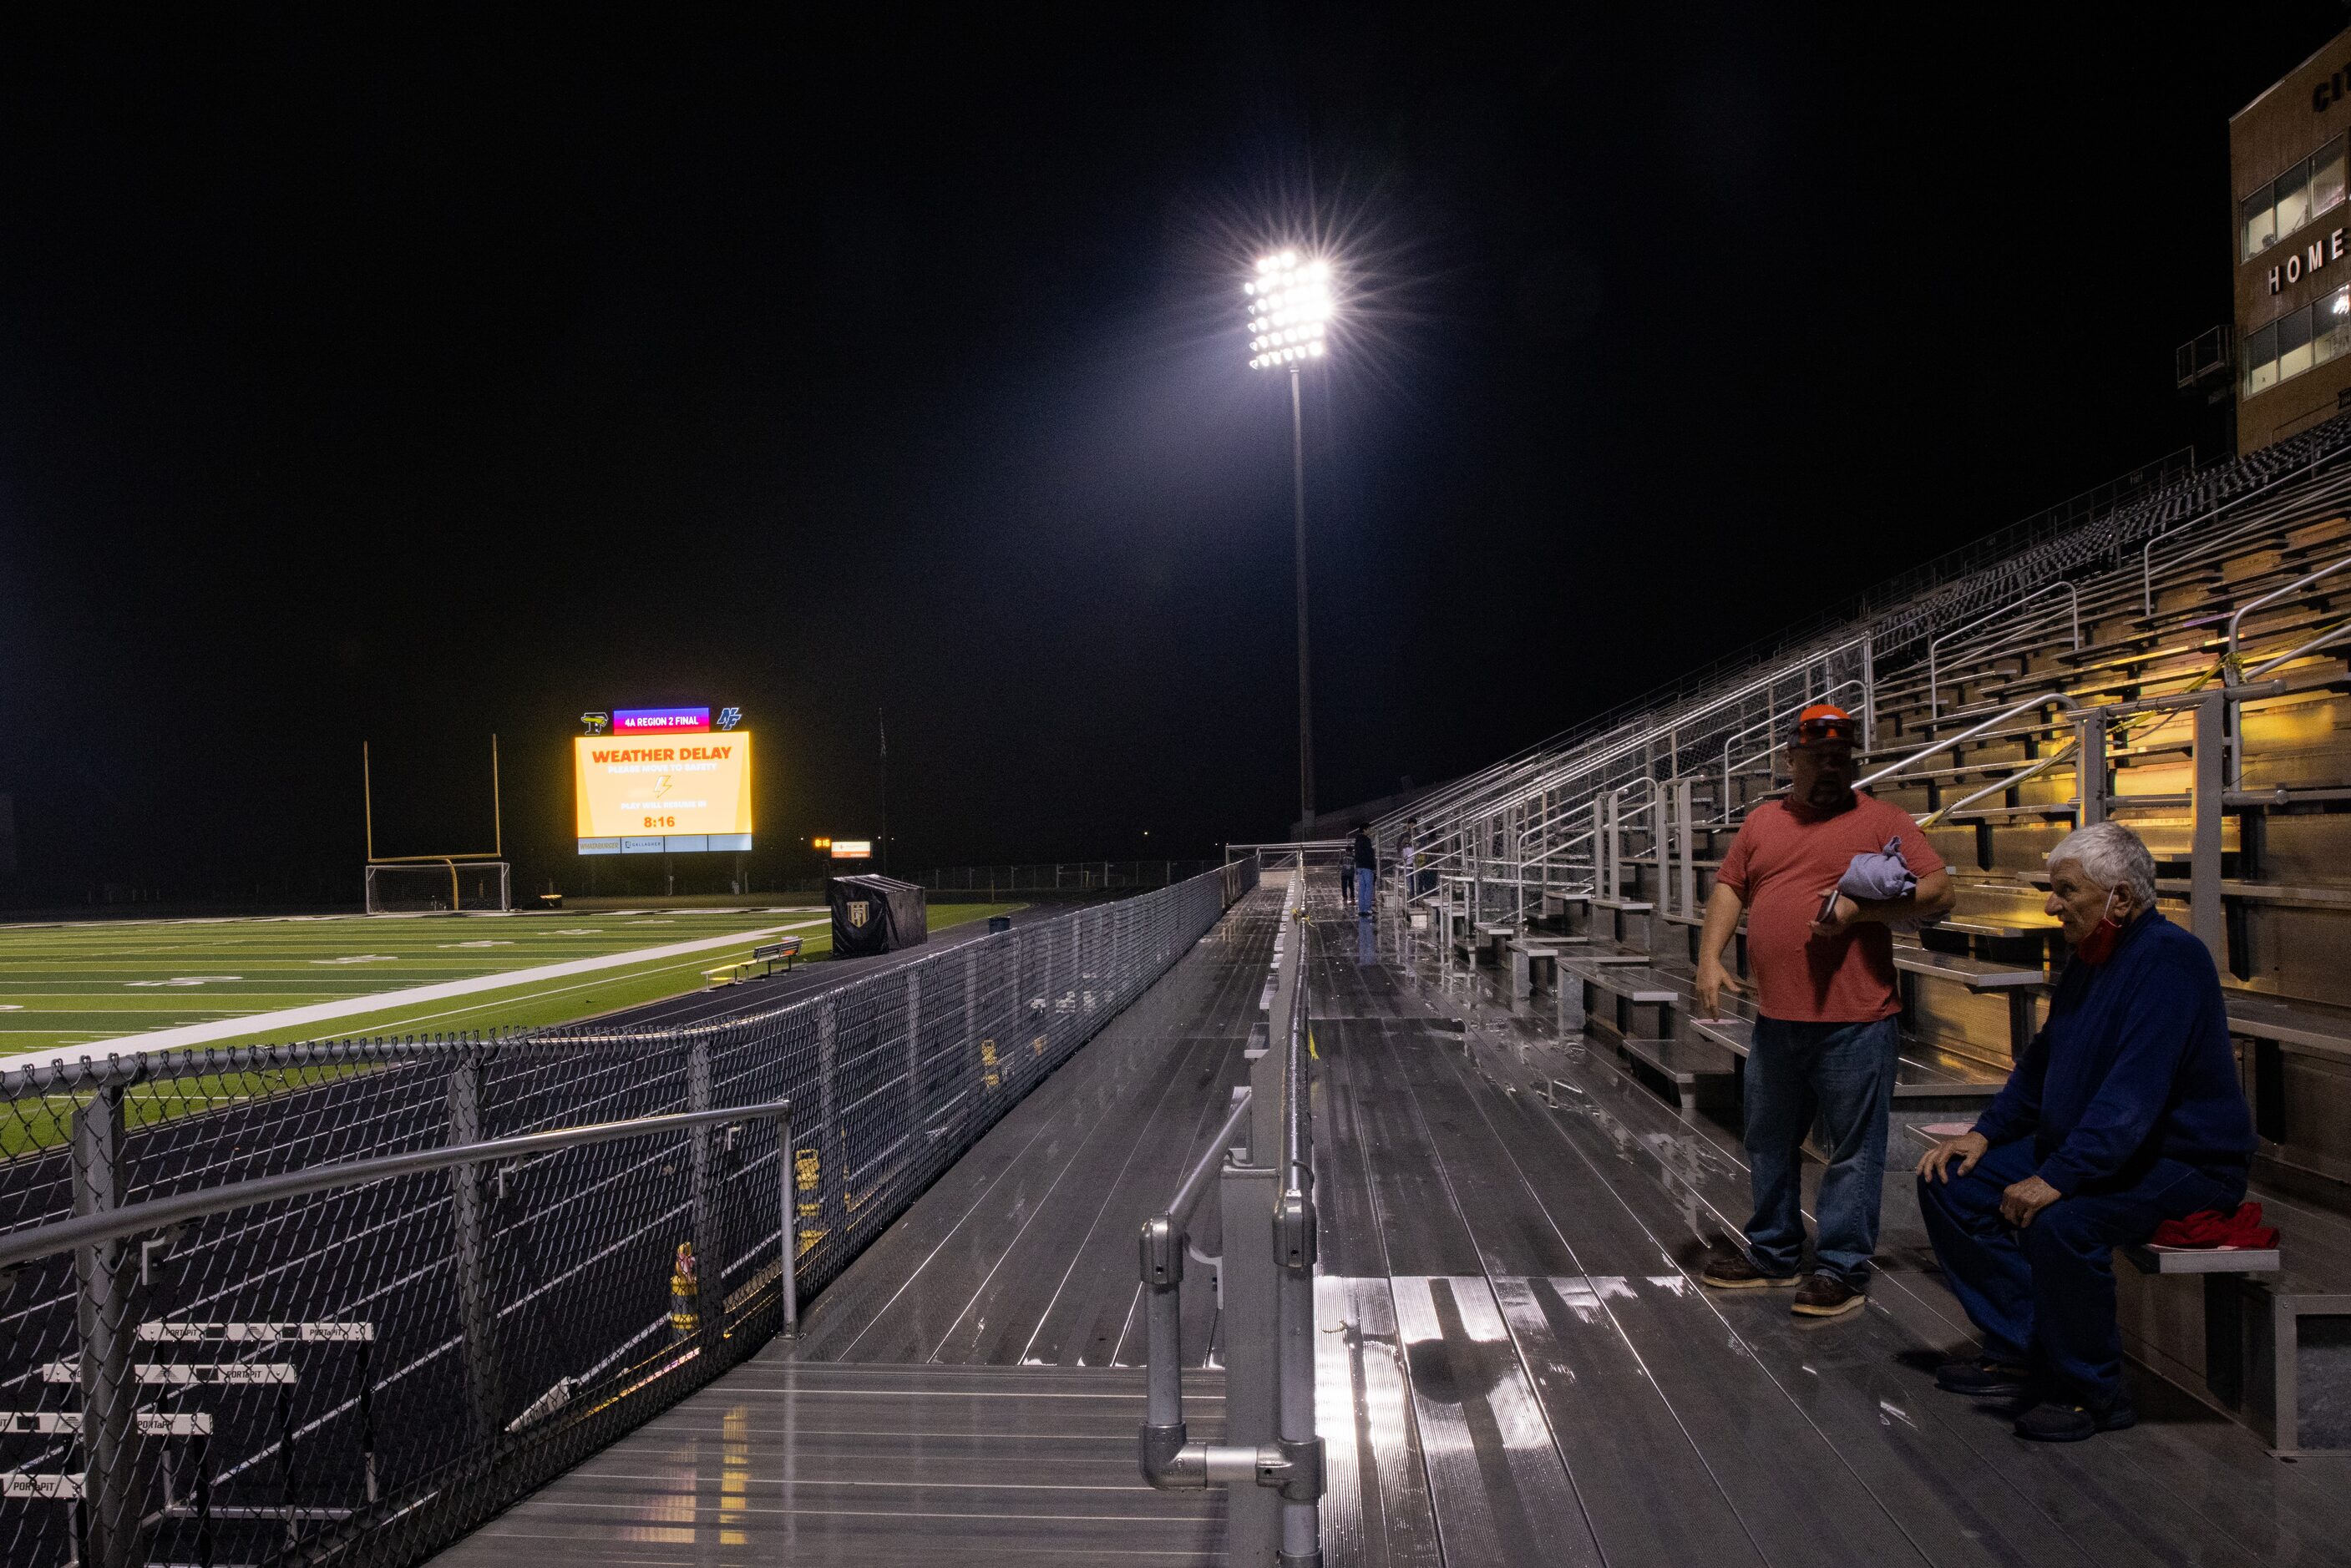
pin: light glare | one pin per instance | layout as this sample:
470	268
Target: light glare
1288	302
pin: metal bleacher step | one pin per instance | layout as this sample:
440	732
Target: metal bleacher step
2304	1028
1634	983
1976	974
1924	1073
1691	1066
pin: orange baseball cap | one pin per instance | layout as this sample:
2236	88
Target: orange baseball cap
1823	722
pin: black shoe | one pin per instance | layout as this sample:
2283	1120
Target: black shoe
1981	1378
1729	1269
1825	1295
2056	1422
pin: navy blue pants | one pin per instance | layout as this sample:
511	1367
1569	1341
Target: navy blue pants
2044	1297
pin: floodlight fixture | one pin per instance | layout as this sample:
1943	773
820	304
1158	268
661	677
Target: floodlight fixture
1289	309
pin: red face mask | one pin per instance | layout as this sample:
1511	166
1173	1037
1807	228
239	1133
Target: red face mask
2099	945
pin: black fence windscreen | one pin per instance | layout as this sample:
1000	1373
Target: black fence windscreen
362	1375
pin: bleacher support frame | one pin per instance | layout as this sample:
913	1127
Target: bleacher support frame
2195	610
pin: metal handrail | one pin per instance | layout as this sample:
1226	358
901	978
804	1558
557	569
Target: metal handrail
1627	732
22	1246
2074	596
1942	743
2146	554
2236	621
1767	723
2071	749
2333	635
1292	1462
1195	1184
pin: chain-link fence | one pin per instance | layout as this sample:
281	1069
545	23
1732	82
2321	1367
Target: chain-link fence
364	1373
1063	876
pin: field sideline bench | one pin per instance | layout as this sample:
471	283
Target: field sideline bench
782	950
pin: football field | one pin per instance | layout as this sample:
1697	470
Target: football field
66	988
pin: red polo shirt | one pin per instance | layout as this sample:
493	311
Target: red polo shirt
1784	857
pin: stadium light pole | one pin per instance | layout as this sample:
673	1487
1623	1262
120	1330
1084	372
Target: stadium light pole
1289	318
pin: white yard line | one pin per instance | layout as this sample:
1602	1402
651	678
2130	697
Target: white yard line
292	1018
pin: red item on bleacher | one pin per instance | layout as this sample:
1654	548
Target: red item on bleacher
2241	1229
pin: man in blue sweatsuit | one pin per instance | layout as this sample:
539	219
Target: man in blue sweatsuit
2125	1112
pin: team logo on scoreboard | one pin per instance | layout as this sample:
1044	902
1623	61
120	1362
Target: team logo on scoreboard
857	912
729	717
596	722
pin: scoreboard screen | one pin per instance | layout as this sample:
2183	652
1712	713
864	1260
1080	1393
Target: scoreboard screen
652	790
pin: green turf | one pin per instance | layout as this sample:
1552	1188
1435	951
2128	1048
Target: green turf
64	987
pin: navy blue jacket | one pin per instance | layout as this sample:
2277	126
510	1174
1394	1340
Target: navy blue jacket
2134	1066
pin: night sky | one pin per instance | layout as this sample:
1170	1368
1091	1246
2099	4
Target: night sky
407	381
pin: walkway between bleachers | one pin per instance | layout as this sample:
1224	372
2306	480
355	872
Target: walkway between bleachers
968	1391
1518	1366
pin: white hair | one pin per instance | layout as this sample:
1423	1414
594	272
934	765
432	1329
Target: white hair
2111	856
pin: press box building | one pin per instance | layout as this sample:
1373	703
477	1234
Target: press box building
2292	243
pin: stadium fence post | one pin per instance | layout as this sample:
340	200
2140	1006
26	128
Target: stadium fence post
477	1320
703	1210
913	1055
788	1280
829	1174
109	1520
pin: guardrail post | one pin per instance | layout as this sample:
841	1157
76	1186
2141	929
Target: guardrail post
477	1321
1686	846
2205	915
1294	1226
1869	701
109	1515
2089	782
1249	1327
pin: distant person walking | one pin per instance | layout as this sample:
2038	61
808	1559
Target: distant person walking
1827	1033
1367	865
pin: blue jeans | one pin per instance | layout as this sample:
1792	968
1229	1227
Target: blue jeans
2044	1296
1363	891
1843	1074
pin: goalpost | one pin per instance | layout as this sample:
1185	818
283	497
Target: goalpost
427	884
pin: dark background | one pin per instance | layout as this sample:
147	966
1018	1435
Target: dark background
414	380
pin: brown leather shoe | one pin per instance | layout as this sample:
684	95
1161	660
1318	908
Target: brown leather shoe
1729	1269
1825	1295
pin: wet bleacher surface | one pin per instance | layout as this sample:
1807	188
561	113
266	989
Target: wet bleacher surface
1517	1365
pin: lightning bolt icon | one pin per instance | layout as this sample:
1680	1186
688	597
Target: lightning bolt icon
661	788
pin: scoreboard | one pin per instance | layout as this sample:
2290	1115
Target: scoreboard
661	780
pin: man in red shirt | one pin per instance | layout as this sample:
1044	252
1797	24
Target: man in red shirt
1827	1033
